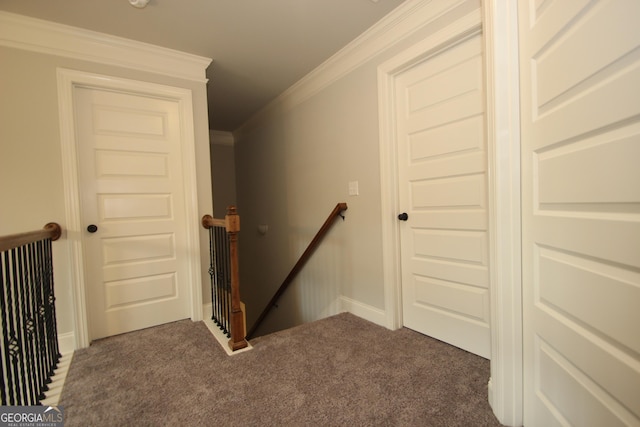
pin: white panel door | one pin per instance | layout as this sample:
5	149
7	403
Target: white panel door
443	189
580	103
132	189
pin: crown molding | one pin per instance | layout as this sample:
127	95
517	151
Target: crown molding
408	18
36	35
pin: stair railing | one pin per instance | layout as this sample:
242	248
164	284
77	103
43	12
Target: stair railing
315	242
224	271
29	351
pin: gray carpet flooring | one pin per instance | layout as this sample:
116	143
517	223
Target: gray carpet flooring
335	372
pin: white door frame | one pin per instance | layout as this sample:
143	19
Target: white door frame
502	69
67	80
500	20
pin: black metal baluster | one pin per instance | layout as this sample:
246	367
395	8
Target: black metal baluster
214	281
21	270
31	322
29	351
40	320
52	328
19	323
222	278
5	354
223	282
38	326
219	271
220	259
216	277
15	398
27	275
46	314
36	380
218	256
227	284
211	272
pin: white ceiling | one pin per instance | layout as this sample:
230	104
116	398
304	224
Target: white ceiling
259	47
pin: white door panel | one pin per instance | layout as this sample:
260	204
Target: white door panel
131	183
469	274
443	188
580	65
470	219
591	161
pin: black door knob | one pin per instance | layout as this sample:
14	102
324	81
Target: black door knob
403	216
92	228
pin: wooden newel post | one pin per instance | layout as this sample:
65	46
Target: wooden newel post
237	340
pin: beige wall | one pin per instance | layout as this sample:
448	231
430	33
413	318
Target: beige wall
223	174
301	162
31	186
294	164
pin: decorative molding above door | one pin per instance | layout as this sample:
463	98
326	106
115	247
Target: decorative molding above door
51	38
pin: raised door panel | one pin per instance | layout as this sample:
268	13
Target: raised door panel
132	189
580	64
442	174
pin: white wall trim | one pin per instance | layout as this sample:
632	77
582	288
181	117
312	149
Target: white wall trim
66	343
408	18
52	396
217	333
503	140
72	210
207	310
218	137
364	311
503	137
461	29
67	80
389	197
51	38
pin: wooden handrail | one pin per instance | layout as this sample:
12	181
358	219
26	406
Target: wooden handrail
298	266
51	231
208	221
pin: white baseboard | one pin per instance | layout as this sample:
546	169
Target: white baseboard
222	339
66	346
490	391
365	311
217	333
52	396
67	343
206	311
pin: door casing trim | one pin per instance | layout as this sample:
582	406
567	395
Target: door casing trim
502	77
67	81
498	21
462	29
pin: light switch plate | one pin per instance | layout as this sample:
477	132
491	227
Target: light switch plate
353	188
